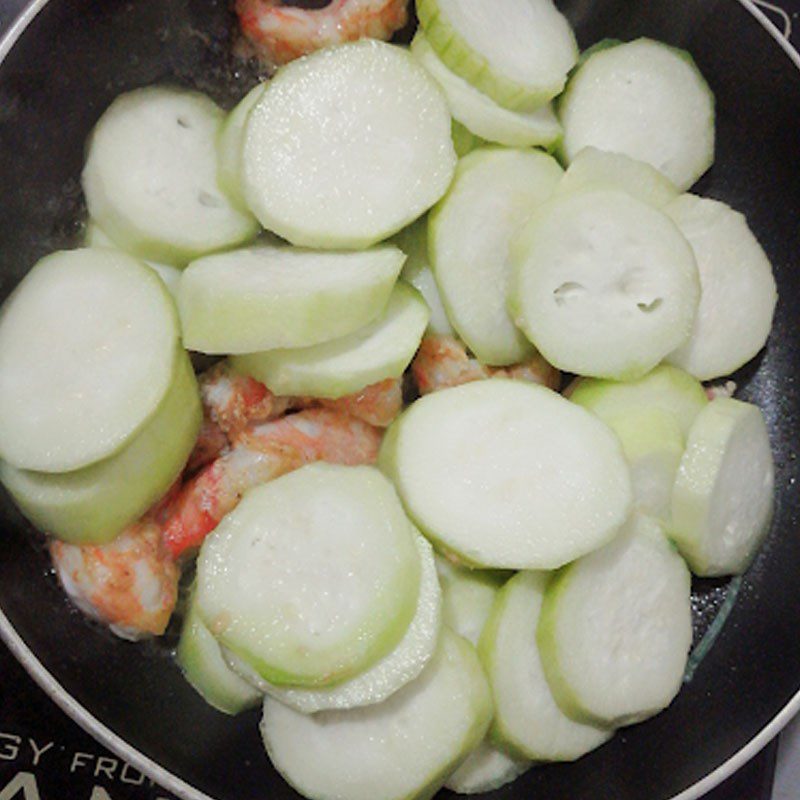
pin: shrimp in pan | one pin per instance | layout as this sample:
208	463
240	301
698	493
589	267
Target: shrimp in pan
280	33
261	453
235	401
442	362
377	404
129	584
232	402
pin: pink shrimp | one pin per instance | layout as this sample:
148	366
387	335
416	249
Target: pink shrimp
232	401
442	362
211	442
261	453
130	584
377	404
280	33
535	370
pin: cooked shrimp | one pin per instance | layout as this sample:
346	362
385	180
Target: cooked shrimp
281	33
261	453
211	442
130	584
442	362
377	404
535	370
234	401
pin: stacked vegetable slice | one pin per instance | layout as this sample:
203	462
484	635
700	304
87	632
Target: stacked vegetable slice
100	407
645	100
151	177
339	624
313	577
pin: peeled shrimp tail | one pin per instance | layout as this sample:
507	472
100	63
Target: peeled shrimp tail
129	584
261	453
215	491
317	434
281	33
231	402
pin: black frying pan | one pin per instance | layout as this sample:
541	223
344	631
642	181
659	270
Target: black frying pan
63	65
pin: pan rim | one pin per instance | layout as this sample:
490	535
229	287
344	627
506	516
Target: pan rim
168	780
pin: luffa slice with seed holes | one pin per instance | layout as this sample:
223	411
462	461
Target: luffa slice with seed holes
604	284
151	177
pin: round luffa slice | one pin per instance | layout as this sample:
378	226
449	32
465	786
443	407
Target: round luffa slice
386	676
646	100
527	718
347	146
343	366
150	178
400	749
88	346
313	577
604	284
724	492
517	51
94	504
616	627
543	476
266	297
